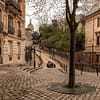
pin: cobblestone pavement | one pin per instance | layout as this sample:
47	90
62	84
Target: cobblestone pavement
16	84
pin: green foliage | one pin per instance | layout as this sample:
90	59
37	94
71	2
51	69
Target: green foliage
80	41
76	86
52	36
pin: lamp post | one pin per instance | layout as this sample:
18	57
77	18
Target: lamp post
35	39
28	55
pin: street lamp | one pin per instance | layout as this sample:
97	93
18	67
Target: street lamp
34	63
28	54
35	39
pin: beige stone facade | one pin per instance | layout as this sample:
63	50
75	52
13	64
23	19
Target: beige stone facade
92	35
12	32
28	34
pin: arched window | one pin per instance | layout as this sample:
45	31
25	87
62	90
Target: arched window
10	20
10	25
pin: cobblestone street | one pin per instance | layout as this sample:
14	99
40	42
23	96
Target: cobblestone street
16	84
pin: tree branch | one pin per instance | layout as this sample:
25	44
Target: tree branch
68	14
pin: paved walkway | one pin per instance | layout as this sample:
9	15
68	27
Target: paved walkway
16	84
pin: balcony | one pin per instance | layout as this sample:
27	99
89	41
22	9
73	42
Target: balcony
13	6
11	30
2	2
19	33
1	26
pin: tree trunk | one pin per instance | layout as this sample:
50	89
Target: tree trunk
71	83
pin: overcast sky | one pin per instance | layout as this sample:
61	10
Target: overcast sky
56	11
34	22
27	18
53	11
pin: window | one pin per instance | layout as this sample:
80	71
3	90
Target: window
10	25
19	25
19	29
98	22
97	58
10	50
98	38
19	50
10	20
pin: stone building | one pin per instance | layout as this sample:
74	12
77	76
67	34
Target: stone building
92	36
12	31
28	34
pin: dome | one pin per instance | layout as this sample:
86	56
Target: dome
30	26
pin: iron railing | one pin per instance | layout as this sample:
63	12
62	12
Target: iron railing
14	4
87	67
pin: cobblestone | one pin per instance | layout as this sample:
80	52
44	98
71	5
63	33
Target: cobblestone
18	85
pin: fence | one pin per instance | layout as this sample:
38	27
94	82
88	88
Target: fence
85	67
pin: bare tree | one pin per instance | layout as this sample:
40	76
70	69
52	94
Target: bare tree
70	17
45	10
73	23
68	8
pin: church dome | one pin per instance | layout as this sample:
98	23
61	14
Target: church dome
30	26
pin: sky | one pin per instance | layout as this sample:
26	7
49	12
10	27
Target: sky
27	19
50	14
53	11
34	22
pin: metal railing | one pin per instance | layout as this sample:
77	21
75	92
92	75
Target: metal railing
14	4
86	67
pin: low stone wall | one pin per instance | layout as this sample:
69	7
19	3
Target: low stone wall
11	65
57	52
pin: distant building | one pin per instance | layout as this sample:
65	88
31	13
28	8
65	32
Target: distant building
12	31
63	26
28	34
